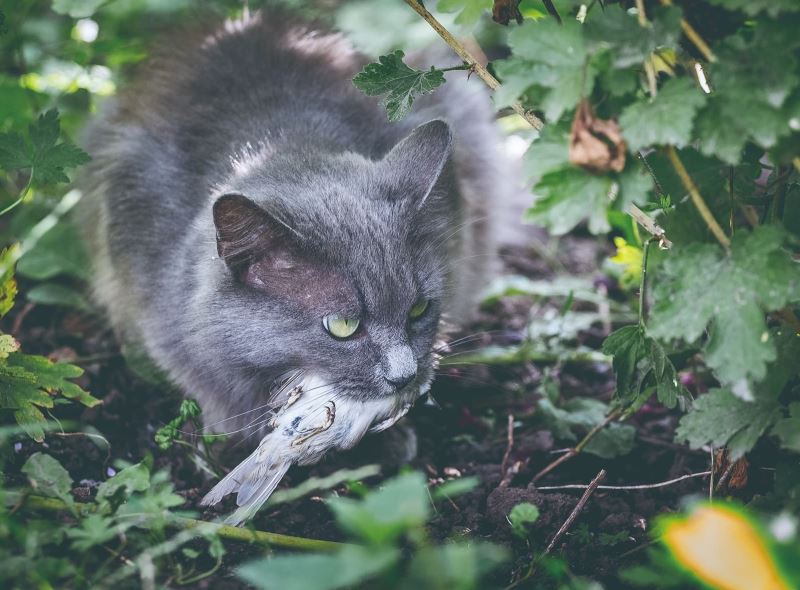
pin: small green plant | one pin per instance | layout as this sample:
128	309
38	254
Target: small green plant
383	523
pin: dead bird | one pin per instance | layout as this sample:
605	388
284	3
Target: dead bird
250	214
313	420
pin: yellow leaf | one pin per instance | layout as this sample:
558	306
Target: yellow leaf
723	549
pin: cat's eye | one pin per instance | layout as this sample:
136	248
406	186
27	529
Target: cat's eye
419	308
340	326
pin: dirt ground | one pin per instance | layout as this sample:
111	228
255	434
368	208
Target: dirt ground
466	436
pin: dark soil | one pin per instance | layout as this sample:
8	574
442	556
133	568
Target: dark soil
467	436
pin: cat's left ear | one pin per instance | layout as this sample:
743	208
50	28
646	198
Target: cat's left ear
416	163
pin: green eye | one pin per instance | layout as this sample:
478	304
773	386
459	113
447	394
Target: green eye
339	326
418	309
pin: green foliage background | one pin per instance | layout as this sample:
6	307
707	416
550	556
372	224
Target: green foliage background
712	146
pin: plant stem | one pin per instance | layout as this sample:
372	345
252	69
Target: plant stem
470	60
694	37
21	197
643	283
576	511
511	355
224	531
697	198
577	449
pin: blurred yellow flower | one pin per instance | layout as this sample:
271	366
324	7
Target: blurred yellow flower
723	549
630	259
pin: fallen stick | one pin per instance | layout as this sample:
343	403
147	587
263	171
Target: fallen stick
577	510
646	486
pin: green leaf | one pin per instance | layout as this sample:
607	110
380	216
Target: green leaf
788	429
48	477
567	197
469	11
455	487
59	252
615	440
77	8
454	565
641	364
48	158
521	516
401	505
547	153
93	530
400	84
135	478
59	295
719	136
665	120
54	377
618	31
550	56
7	345
756	276
347	568
720	418
753	7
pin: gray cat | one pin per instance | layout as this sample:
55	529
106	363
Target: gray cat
253	218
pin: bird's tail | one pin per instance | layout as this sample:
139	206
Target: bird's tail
254	481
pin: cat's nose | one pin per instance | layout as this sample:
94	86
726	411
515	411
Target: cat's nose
400	366
401	381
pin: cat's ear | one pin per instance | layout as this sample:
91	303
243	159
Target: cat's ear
415	164
245	232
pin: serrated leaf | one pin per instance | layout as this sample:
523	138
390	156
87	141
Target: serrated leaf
547	153
718	136
48	477
665	120
618	31
54	377
551	56
701	284
403	503
135	478
788	429
43	153
469	11
400	84
566	197
720	418
59	295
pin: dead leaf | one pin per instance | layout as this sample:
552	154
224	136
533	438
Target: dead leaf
504	10
730	476
595	144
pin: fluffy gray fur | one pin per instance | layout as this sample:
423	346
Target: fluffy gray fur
242	188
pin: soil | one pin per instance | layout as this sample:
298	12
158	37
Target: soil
466	436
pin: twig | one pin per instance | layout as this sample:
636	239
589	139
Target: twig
470	60
512	355
694	37
577	510
647	486
509	446
650	225
697	198
223	531
578	448
643	283
509	471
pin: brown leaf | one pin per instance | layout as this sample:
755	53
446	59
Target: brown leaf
595	144
504	10
730	476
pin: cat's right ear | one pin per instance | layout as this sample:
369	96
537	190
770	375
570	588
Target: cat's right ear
415	164
245	231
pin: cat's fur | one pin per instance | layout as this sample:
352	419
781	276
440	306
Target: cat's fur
264	108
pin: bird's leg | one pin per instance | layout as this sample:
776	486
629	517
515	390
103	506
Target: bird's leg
330	416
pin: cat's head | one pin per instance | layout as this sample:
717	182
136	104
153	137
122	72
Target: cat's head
336	264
